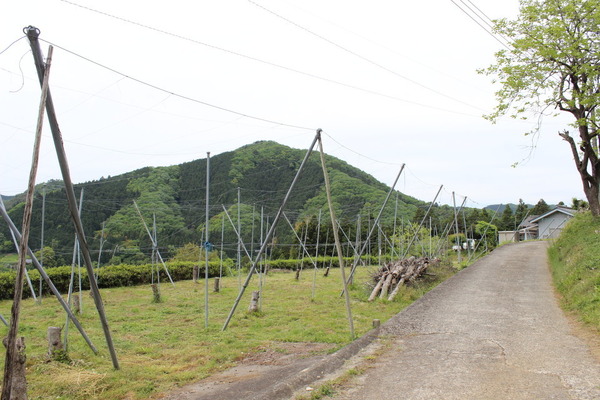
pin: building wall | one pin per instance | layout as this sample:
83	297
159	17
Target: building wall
551	226
507	236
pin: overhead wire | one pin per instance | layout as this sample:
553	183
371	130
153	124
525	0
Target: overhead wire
12	44
181	96
355	54
475	19
255	59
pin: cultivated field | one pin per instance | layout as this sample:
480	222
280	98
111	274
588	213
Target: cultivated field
164	345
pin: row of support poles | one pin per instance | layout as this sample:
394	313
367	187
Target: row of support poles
154	243
33	35
45	277
70	292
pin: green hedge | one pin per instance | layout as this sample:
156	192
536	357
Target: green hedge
109	276
322	262
130	275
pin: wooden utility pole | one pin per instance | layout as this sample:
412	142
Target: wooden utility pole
33	35
336	236
15	349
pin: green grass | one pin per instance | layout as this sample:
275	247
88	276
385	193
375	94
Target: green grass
164	345
575	263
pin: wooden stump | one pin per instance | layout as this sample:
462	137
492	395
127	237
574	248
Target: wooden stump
254	302
155	293
298	274
19	382
76	305
54	341
195	273
217	285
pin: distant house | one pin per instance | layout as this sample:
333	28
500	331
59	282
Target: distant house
546	226
551	223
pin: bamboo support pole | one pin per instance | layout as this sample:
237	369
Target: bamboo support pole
154	243
336	236
270	232
375	224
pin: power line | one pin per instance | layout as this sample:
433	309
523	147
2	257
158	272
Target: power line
376	64
479	23
181	96
10	45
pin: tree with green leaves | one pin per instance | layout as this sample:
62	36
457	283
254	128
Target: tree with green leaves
521	212
540	208
552	62
507	220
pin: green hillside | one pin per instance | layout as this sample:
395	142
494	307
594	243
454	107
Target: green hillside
175	196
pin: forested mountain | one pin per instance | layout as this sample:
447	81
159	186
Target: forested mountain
174	199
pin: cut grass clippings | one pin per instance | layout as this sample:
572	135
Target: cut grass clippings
164	345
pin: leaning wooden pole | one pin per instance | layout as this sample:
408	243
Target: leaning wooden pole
154	245
13	358
336	236
33	34
375	224
414	237
263	245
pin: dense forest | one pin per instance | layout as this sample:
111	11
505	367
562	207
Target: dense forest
248	184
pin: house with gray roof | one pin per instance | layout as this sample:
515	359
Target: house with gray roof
550	224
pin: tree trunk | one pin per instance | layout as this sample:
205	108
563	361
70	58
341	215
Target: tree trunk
19	382
588	167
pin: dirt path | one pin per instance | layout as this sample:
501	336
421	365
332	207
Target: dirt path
494	331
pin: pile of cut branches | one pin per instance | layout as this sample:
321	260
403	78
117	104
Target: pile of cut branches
391	277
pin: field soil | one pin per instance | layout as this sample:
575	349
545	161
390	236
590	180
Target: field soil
255	373
493	331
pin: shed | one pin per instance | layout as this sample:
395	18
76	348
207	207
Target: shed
551	223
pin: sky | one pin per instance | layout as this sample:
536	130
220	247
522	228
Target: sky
157	83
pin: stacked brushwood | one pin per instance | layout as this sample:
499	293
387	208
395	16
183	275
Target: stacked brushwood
391	277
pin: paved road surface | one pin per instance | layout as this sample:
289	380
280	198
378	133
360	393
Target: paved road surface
494	331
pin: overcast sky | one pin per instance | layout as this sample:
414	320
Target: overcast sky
389	82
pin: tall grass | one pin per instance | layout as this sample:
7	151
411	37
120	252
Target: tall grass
575	263
164	345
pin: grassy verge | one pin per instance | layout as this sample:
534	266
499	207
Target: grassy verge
575	263
164	345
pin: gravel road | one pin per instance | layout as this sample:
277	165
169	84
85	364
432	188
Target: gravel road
493	331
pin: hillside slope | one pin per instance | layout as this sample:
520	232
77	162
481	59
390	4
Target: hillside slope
174	197
574	258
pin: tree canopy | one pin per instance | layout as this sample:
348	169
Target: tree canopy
552	64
